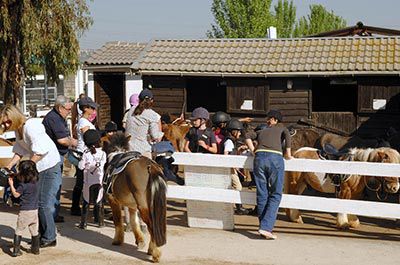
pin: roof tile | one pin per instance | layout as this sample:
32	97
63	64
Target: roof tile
256	55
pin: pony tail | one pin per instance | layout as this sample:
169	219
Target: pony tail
158	204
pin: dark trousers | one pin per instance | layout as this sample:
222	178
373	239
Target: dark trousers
77	192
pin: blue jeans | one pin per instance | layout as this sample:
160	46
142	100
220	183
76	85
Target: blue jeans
58	203
49	182
268	172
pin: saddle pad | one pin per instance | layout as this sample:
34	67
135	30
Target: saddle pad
119	162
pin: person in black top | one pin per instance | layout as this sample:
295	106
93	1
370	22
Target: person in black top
27	191
268	169
57	128
200	138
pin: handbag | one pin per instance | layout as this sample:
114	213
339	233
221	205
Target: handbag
74	156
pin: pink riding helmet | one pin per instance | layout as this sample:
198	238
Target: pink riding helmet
134	100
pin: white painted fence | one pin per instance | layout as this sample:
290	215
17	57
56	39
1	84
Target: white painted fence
206	164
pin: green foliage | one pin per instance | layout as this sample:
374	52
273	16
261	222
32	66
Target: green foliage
37	33
285	15
252	18
319	20
241	18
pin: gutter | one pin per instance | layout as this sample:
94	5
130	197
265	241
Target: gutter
266	75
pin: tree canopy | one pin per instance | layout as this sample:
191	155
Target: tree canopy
240	18
39	33
319	20
252	18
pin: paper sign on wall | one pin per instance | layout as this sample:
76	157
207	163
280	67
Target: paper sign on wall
378	104
247	104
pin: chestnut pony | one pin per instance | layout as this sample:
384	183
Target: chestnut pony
351	186
139	186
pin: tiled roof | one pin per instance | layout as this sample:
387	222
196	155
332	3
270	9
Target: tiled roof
309	56
116	53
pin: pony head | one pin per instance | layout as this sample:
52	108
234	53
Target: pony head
118	143
386	155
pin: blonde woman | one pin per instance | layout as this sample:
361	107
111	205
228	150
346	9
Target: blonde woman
33	142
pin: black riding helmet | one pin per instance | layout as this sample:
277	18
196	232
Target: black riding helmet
91	137
220	117
234	124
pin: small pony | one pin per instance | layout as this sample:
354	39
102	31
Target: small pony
351	186
138	185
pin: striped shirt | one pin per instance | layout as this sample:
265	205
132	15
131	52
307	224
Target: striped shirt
143	129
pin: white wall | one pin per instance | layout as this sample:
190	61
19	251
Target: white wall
133	85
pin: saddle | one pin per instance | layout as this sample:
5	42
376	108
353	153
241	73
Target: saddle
116	166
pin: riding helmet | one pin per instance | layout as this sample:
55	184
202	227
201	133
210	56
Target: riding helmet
275	114
220	117
91	137
234	124
200	113
111	127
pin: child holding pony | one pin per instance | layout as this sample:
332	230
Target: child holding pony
92	164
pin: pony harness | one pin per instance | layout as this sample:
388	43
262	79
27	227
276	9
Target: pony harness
116	166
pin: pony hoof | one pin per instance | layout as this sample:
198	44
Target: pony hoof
141	245
117	242
343	226
354	224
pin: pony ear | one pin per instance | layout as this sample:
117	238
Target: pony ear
128	137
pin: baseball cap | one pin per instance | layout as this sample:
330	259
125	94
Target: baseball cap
87	101
145	93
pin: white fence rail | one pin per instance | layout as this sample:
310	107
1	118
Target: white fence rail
207	163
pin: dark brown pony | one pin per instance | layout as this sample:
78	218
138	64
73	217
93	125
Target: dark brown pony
351	187
140	186
303	137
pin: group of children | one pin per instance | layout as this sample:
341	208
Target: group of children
222	138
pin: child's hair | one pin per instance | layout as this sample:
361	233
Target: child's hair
27	171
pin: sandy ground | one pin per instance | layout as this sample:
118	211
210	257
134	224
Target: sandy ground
316	242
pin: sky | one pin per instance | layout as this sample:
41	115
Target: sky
144	20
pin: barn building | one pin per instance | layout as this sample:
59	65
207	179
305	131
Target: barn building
344	84
348	84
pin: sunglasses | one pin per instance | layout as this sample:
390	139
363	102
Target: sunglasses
6	124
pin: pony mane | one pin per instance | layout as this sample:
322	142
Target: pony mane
360	154
118	142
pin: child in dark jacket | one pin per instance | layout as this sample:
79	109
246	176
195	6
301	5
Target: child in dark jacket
27	191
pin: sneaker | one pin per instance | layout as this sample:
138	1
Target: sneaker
267	235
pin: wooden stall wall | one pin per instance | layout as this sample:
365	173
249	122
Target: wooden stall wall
169	93
294	102
373	121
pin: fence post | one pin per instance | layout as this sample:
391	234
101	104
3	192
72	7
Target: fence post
204	214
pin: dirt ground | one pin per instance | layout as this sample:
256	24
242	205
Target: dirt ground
316	242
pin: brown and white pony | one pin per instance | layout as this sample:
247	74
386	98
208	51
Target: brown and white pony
140	187
351	186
